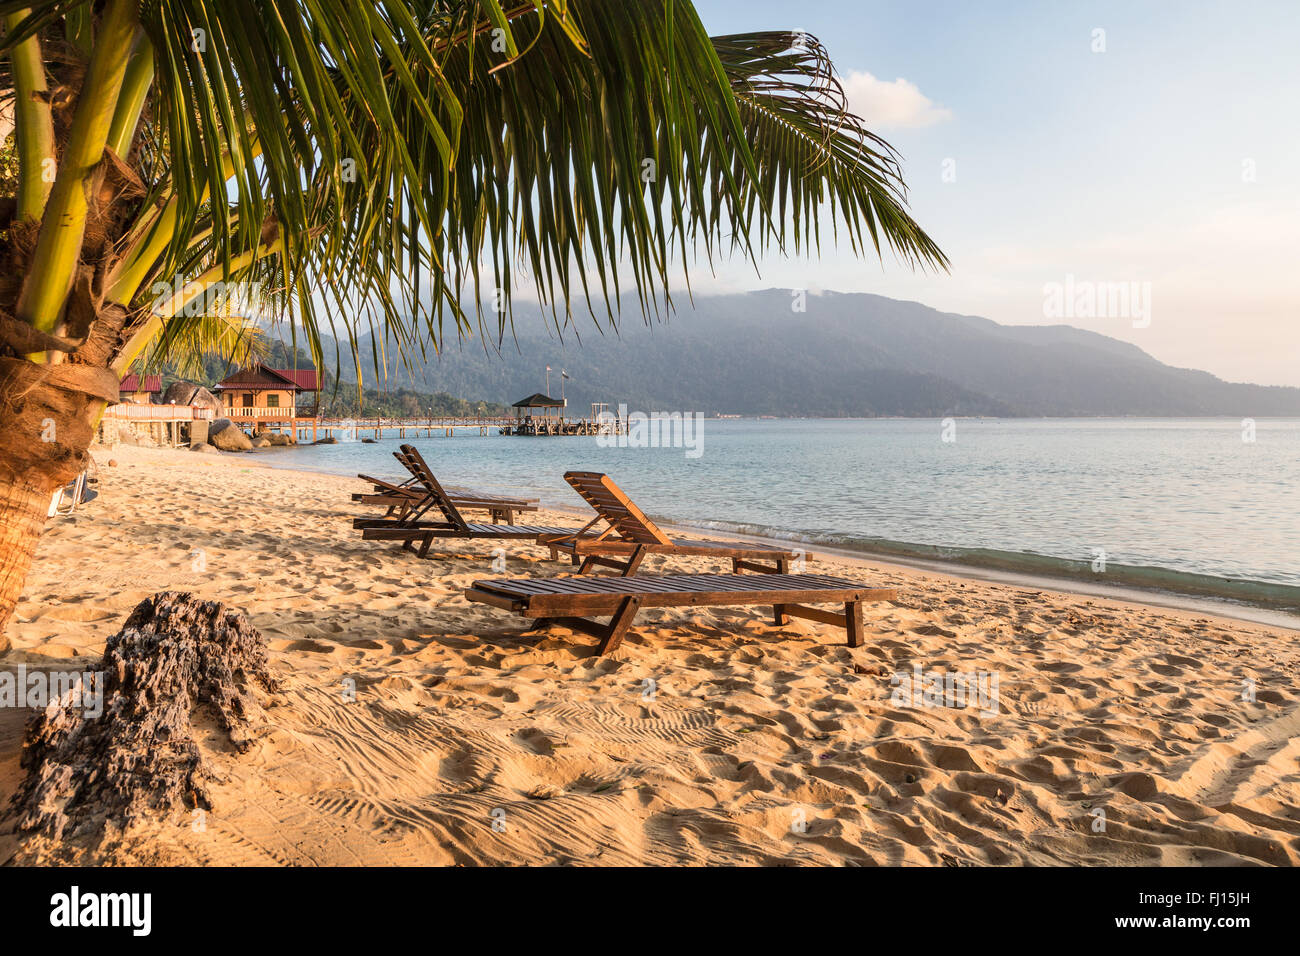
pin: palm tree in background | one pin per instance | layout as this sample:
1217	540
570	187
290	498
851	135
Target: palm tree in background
386	166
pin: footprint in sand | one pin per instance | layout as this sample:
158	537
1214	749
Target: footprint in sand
316	647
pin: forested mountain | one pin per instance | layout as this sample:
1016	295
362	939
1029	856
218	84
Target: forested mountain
846	355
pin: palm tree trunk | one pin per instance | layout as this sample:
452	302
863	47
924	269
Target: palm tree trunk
50	414
22	516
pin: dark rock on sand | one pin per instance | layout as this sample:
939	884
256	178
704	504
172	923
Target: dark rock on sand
190	393
95	765
228	436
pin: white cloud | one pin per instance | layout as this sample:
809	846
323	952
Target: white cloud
898	105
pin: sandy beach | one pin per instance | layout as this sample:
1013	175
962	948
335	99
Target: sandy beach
1119	734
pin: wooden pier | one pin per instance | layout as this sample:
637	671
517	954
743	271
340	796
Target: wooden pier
540	415
317	429
170	424
308	428
542	427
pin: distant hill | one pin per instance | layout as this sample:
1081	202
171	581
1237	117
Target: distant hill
847	355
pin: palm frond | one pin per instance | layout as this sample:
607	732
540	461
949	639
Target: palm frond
587	171
812	150
186	340
415	156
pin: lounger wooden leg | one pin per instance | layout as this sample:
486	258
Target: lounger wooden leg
740	564
782	566
634	562
618	625
779	615
424	545
853	623
587	564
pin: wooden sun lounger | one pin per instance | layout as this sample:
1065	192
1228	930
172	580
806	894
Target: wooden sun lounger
398	503
413	527
411	459
569	600
400	498
631	535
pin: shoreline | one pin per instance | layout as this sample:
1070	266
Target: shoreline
1125	592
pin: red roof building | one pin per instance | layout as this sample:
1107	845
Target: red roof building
259	392
306	379
136	389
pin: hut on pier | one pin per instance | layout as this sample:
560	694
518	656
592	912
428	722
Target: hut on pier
538	414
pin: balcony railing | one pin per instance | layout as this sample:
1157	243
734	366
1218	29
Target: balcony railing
247	413
130	412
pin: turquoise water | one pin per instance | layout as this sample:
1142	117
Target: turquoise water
1181	505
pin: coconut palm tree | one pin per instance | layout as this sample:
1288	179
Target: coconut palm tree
389	165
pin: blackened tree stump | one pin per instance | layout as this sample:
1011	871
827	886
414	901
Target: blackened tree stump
178	662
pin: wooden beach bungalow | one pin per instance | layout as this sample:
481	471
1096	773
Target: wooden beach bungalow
259	393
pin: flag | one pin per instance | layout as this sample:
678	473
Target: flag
563	373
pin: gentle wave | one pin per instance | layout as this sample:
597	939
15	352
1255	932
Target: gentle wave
1262	594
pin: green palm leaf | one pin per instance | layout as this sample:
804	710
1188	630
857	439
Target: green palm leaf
415	156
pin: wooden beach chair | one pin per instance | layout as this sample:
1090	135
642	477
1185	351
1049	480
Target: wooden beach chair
400	498
397	497
414	526
571	600
631	535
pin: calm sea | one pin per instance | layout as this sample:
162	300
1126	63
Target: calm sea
1183	505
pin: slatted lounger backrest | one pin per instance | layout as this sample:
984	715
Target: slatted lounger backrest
609	501
414	461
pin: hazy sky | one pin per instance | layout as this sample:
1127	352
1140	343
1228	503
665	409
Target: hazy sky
1172	158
